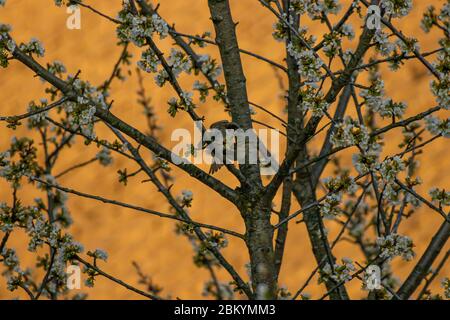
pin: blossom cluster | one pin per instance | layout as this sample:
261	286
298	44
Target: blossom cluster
374	97
339	273
184	103
397	8
61	2
313	101
210	289
336	186
216	240
438	126
441	88
6	44
137	28
38	120
56	68
390	168
309	66
186	198
104	157
431	18
98	254
440	196
394	245
40	232
209	66
149	61
34	46
178	62
382	43
349	133
446	285
19	161
315	8
81	112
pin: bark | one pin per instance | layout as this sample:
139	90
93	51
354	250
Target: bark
282	231
295	122
327	146
255	211
259	239
305	193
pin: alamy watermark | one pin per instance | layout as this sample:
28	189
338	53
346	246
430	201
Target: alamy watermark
373	17
73	277
73	22
374	14
373	277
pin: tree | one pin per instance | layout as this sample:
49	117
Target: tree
370	198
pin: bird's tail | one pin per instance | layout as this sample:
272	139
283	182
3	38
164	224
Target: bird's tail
214	168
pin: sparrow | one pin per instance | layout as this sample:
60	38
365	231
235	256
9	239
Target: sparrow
222	126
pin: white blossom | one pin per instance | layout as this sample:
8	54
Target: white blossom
56	68
186	197
328	207
315	8
349	133
389	168
313	101
392	192
99	254
34	46
397	8
446	285
440	88
309	66
342	272
408	46
332	44
82	112
137	28
104	157
209	66
4	31
396	245
367	161
374	96
149	62
440	196
336	186
382	43
347	30
161	78
179	62
37	120
10	259
437	126
393	109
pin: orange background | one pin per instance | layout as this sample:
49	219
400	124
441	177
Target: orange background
132	236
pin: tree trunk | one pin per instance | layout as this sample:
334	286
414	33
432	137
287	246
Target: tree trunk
259	240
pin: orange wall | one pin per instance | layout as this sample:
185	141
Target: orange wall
130	236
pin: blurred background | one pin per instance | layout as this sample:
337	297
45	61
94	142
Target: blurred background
150	241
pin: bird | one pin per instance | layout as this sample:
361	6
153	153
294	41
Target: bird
232	145
222	126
